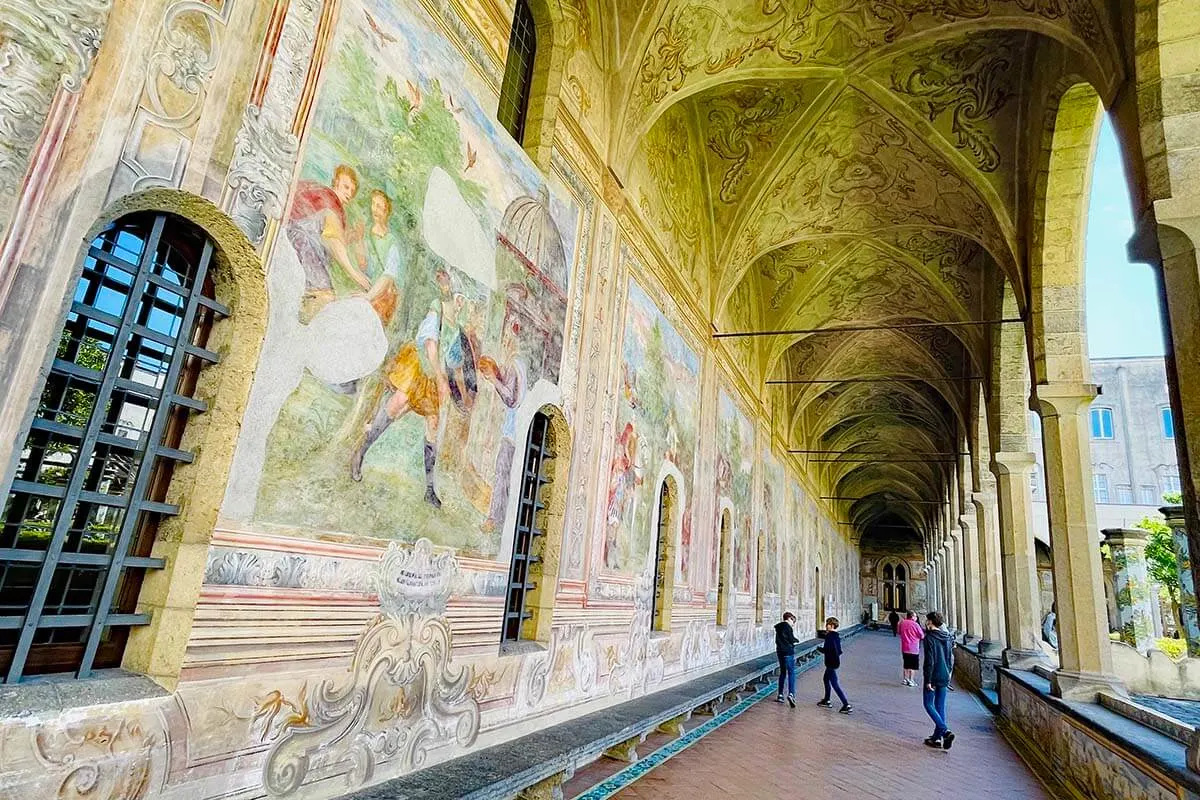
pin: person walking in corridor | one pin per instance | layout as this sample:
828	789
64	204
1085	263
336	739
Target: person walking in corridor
832	648
910	646
939	666
785	650
894	621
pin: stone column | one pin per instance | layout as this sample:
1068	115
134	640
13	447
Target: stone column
1085	656
972	591
991	608
1187	587
1018	560
1135	600
960	594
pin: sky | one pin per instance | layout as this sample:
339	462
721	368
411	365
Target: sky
1122	301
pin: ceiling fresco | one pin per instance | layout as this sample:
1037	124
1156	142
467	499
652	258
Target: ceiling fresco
863	166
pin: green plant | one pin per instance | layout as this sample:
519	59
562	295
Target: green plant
1161	561
1175	648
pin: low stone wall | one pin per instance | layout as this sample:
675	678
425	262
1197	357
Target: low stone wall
973	671
1156	672
1078	756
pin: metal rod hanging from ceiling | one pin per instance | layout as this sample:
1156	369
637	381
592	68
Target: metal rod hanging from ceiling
871	525
808	381
859	328
908	454
890	500
884	460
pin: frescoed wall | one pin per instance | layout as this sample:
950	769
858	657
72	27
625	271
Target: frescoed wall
735	480
419	293
657	412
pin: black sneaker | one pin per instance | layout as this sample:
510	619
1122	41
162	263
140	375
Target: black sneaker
947	740
825	704
792	700
935	743
779	699
846	709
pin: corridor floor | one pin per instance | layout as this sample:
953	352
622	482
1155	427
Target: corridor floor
876	753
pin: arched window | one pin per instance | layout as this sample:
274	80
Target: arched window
518	73
760	576
664	556
91	482
723	577
894	580
529	527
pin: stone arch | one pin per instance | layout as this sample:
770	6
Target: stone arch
1008	424
666	523
725	535
170	594
547	548
549	64
1063	184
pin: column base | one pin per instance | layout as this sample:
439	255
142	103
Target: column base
1023	659
990	649
1085	686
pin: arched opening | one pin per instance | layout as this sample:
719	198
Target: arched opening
760	576
513	110
533	73
82	517
894	586
820	600
538	530
723	576
664	553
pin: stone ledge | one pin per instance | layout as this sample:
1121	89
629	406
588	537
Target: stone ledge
508	769
55	694
1143	748
1149	717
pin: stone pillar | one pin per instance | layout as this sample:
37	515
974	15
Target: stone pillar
1135	600
960	595
1018	560
1085	656
991	608
1187	587
972	591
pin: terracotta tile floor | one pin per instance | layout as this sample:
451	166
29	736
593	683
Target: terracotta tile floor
874	754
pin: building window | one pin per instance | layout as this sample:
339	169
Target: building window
1125	495
89	489
1171	484
1102	423
723	577
1033	480
664	558
529	526
1168	423
518	73
1100	487
895	587
1147	496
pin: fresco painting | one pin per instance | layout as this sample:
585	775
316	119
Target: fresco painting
657	409
735	476
422	240
775	524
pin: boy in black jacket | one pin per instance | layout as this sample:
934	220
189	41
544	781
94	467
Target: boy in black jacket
785	650
833	659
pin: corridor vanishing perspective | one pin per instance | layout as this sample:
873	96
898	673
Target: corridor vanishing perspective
446	399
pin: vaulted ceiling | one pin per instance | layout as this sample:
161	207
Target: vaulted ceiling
861	164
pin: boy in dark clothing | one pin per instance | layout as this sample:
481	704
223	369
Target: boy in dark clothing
894	621
832	648
938	646
785	650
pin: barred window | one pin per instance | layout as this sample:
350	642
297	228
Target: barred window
533	484
89	488
518	73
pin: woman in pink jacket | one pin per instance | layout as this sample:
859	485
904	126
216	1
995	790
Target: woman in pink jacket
910	646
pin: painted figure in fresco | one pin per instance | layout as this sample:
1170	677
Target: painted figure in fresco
382	256
510	377
317	229
418	380
624	478
747	547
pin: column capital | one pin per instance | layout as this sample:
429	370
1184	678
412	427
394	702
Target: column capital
1174	515
966	522
1062	398
1125	537
1013	463
983	497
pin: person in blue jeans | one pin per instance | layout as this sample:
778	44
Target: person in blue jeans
938	646
832	648
785	650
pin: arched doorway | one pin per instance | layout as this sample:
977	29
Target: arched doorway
664	555
820	599
723	577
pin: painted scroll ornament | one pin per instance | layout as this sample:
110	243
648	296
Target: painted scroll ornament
402	697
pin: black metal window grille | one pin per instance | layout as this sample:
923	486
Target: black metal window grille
533	482
518	73
81	513
660	565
